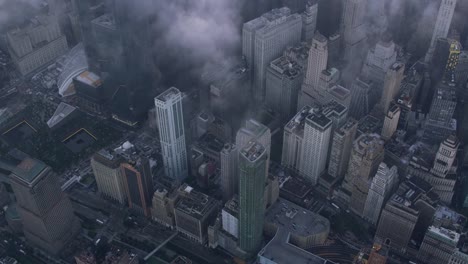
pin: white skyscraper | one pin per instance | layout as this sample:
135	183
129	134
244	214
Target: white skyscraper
171	133
442	26
318	59
392	84
384	181
309	21
264	39
391	122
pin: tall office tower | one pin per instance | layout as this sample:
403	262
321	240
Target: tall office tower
87	11
381	188
296	152
342	145
283	82
36	44
317	133
392	85
229	171
353	28
138	182
309	20
438	245
106	169
45	211
264	39
334	49
439	122
378	62
254	130
318	59
171	133
445	156
360	98
391	122
442	26
366	156
252	173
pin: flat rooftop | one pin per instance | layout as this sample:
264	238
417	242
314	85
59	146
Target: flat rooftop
253	151
90	79
320	120
296	219
340	92
196	204
446	234
29	169
169	94
289	68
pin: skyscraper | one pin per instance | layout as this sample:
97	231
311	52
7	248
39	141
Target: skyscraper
138	184
439	123
318	59
392	84
106	169
252	173
379	59
171	133
283	82
309	20
391	122
317	133
445	156
253	130
46	212
442	26
353	26
367	154
306	133
381	187
360	98
342	145
229	171
264	39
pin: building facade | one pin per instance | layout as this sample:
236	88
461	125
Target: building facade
172	133
109	180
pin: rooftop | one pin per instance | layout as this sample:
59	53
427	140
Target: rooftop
29	169
90	79
106	20
340	92
296	220
170	94
446	234
320	120
369	125
232	206
253	151
289	68
195	204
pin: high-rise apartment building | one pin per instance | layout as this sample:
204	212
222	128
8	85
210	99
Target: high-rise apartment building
342	144
438	246
381	187
283	81
391	122
442	26
109	180
252	173
171	133
138	182
392	85
264	39
229	171
45	211
366	156
309	21
37	44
